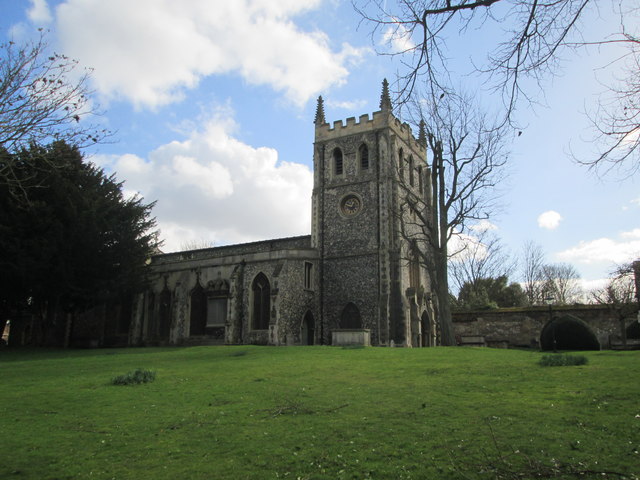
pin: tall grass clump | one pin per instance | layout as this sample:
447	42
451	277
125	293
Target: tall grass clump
134	377
562	360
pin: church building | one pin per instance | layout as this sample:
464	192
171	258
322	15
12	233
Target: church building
355	279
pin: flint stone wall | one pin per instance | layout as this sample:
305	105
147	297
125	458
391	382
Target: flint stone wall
521	327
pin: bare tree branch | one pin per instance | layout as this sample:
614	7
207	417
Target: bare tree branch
42	99
533	37
466	160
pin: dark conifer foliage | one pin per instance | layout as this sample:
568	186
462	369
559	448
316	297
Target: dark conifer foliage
73	239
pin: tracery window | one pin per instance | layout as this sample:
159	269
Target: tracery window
261	291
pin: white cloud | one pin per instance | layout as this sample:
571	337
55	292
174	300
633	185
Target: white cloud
632	235
549	220
214	187
483	226
351	105
150	51
39	12
605	250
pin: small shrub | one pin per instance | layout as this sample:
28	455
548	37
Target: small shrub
135	377
563	360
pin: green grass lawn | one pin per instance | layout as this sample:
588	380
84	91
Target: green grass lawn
318	413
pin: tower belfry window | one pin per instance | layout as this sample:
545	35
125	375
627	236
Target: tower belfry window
411	170
337	162
364	156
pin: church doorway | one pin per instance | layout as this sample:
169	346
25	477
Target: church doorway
350	317
307	330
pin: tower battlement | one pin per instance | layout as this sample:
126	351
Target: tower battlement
366	123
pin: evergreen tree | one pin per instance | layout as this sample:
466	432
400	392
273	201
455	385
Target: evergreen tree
76	241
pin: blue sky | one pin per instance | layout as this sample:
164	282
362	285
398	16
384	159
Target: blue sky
213	101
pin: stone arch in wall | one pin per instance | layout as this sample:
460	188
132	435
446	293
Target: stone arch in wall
567	332
198	314
308	329
350	317
261	302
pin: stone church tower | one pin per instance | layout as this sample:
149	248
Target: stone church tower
369	274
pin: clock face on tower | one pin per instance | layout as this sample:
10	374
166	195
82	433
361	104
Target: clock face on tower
350	205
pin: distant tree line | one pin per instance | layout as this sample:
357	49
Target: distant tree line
482	271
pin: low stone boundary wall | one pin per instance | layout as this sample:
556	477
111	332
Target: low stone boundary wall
521	327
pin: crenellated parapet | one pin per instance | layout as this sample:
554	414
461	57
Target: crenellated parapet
383	119
368	123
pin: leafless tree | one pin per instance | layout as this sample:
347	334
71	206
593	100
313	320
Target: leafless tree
620	295
616	121
483	256
533	37
562	283
533	260
43	97
533	34
620	289
199	244
466	156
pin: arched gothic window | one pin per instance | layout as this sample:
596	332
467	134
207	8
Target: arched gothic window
350	317
363	153
401	163
338	166
198	319
261	291
414	268
411	170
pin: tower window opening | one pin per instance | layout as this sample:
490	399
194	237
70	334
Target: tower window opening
364	156
401	163
337	161
411	179
308	270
